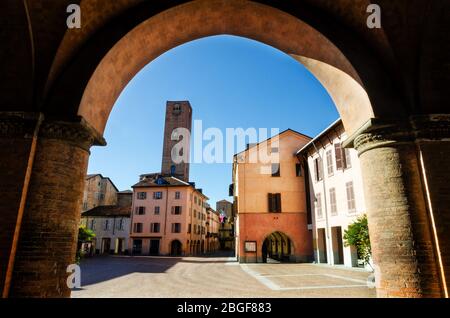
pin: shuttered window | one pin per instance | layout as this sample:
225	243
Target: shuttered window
274	202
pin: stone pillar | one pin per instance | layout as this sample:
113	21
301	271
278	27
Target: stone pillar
49	227
402	228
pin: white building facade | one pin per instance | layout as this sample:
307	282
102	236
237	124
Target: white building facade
335	193
111	225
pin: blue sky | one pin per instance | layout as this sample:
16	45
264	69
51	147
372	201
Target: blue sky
230	82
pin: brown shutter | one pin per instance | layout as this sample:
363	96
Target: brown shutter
278	202
270	202
172	210
346	156
316	169
320	169
338	156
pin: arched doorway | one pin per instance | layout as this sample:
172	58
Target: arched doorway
176	248
277	247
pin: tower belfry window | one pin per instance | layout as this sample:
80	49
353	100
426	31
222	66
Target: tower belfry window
176	109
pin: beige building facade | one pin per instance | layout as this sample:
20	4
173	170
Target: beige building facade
169	217
212	229
335	194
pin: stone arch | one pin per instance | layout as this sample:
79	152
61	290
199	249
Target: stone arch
265	24
285	252
399	68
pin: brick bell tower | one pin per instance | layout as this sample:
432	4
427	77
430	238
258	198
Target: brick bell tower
178	114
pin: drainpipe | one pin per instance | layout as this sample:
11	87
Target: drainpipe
23	199
327	226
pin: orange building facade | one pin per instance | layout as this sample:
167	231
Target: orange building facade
270	200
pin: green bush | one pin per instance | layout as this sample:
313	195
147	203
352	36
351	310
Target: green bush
84	235
357	235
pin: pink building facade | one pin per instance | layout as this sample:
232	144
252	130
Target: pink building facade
169	217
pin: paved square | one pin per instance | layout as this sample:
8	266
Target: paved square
222	277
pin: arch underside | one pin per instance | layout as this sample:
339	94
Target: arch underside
198	19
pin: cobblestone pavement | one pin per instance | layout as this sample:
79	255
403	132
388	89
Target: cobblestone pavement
222	277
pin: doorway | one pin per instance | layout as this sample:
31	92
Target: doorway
137	247
154	247
277	248
321	246
338	248
175	248
106	244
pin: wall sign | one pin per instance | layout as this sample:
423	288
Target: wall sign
250	246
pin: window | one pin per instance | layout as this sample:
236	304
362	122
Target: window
343	160
142	195
137	227
92	224
274	202
275	169
120	225
347	160
176	227
195	228
140	210
195	200
333	201
350	197
157	210
319	206
157	195
154	227
274	150
195	213
318	169
106	227
329	162
177	195
85	205
189	228
176	210
298	169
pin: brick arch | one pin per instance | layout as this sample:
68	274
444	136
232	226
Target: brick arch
198	19
269	233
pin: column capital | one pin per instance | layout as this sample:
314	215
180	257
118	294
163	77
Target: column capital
377	132
78	132
18	124
25	125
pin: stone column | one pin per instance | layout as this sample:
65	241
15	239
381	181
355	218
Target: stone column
49	227
402	229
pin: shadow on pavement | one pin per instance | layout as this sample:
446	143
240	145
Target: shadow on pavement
102	268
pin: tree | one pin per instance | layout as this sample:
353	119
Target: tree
357	235
84	236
